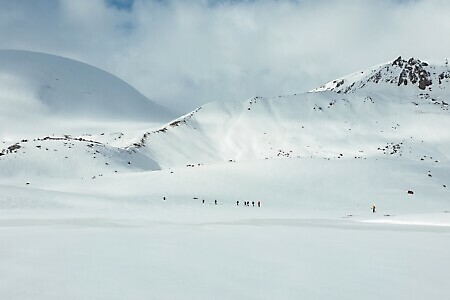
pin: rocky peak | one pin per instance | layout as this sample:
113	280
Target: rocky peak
413	70
400	72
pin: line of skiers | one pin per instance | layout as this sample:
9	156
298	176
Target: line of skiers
247	203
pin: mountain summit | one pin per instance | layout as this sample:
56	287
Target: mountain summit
412	74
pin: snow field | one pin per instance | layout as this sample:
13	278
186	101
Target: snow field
83	174
255	260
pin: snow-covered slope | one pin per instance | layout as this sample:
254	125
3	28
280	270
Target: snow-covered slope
357	119
368	116
61	118
47	94
69	157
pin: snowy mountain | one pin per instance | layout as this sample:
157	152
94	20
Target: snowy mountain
364	115
58	115
361	116
45	94
398	75
122	201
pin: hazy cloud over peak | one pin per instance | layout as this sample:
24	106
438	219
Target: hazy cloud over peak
185	53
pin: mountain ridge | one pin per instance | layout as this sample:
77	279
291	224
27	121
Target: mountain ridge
400	72
386	97
379	122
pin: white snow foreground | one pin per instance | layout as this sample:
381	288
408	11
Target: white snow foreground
82	214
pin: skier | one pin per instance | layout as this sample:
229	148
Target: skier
374	208
259	203
237	203
215	202
203	201
164	198
253	203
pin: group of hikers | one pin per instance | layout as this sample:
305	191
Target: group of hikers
247	203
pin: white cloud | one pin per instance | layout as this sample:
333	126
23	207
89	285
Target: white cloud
185	53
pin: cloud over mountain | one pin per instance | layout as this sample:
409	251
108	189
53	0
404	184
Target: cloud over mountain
184	54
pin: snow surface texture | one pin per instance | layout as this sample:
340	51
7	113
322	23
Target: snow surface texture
99	209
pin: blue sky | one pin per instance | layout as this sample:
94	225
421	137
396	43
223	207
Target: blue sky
120	4
183	54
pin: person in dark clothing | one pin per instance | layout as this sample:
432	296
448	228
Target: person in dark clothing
253	203
203	201
374	208
164	198
215	202
259	203
237	203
